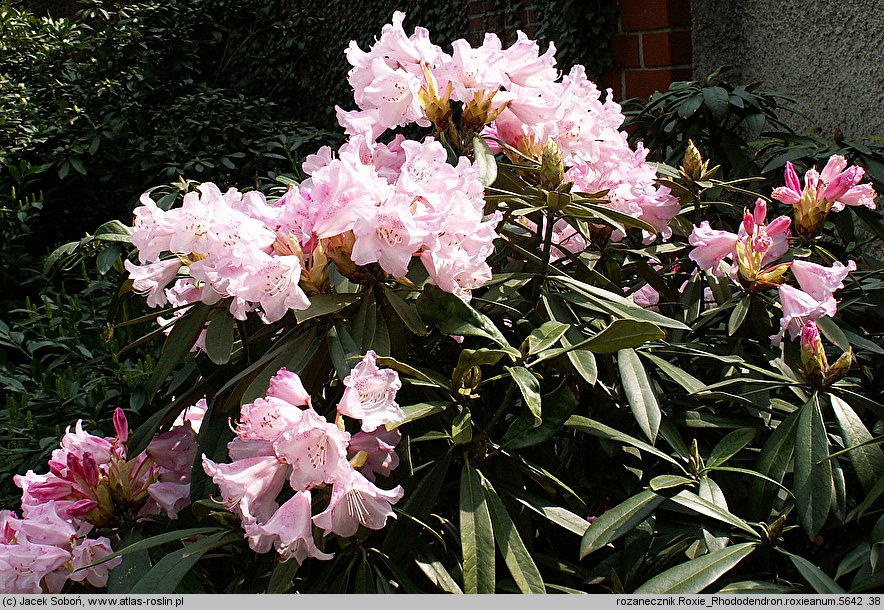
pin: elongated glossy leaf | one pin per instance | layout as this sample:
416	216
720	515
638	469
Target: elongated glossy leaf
774	460
219	336
622	334
617	521
867	460
530	389
699	573
419	411
710	491
813	473
168	571
476	535
693	502
452	316
590	426
148	543
282	576
813	576
753	587
515	555
685	380
583	361
639	393
729	446
668	481
619	306
438	575
406	312
738	315
184	334
546	336
294	357
558	406
134	566
556	514
325	304
716	99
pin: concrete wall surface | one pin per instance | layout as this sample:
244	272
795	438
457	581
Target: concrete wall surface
828	54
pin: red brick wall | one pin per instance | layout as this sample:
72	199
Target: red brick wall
652	47
505	20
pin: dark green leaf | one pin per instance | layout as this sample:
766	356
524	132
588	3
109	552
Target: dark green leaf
546	336
668	481
219	336
556	514
558	406
729	446
716	99
406	312
282	576
324	305
476	535
813	576
419	504
617	521
695	503
584	424
639	393
184	334
530	389
168	571
452	316
738	314
419	411
685	380
515	555
867	459
813	473
697	574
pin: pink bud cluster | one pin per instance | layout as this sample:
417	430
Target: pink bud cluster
532	103
837	184
90	484
758	244
280	439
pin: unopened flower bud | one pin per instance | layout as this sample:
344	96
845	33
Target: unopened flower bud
552	167
693	165
121	425
840	368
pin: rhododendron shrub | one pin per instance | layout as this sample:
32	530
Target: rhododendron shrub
484	346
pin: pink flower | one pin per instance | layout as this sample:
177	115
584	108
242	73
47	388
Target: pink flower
380	450
647	297
87	552
152	279
820	282
711	247
290	530
249	486
370	394
287	386
356	501
24	564
267	418
827	191
316	450
799	308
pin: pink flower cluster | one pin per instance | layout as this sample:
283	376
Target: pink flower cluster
837	184
90	484
281	439
531	105
369	203
758	244
399	200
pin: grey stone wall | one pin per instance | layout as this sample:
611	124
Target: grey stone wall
828	54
